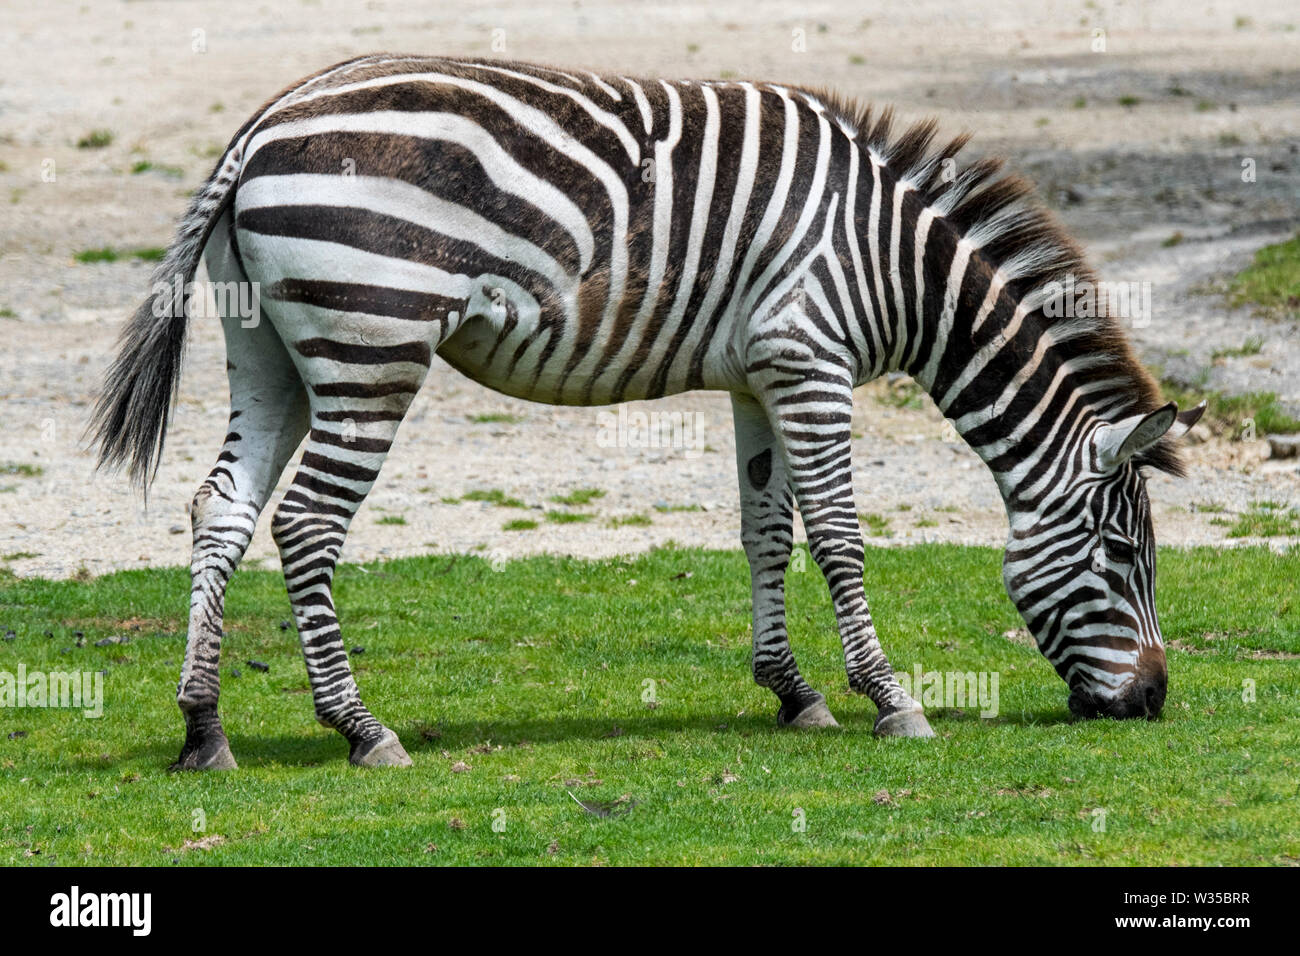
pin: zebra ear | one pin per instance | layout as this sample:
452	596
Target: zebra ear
1117	443
1183	424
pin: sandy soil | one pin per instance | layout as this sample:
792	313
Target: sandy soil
1213	84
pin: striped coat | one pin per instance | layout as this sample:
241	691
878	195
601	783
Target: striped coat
580	239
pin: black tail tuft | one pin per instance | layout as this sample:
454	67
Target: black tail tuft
129	423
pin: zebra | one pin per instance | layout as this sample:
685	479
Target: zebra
583	239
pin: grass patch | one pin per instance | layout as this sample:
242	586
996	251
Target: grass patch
905	395
494	496
532	677
1228	414
21	469
496	418
1265	519
1271	282
634	521
567	517
96	139
391	519
877	526
675	509
141	166
578	497
109	254
519	524
1252	346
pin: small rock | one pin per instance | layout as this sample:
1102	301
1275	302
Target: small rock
358	649
18	735
285	625
1283	446
10	635
114	639
176	529
258	666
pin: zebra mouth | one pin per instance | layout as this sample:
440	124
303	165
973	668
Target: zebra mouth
1138	700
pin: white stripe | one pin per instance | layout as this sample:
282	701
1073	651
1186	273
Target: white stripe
504	171
401	200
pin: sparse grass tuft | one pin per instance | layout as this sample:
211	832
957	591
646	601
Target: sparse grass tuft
96	139
1271	282
567	517
636	521
578	497
494	496
21	469
877	526
109	254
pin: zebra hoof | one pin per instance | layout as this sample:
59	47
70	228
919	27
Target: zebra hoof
212	754
902	723
816	714
387	751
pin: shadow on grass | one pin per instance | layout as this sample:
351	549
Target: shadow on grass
313	749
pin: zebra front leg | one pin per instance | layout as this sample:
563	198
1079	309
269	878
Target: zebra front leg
812	411
766	530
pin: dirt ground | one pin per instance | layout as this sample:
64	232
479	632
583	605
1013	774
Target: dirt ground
1134	118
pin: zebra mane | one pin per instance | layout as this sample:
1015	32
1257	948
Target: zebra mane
1019	238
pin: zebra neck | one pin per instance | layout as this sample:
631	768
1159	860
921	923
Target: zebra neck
1019	396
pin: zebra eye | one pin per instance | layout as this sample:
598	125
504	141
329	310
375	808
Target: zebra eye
1121	550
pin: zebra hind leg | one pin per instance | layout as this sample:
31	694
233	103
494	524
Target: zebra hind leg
359	395
767	519
268	417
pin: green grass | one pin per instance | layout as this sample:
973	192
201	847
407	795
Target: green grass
634	521
145	166
1264	519
96	139
1228	413
535	678
578	497
877	526
390	519
1271	282
21	469
493	496
519	524
496	418
1252	346
567	517
109	254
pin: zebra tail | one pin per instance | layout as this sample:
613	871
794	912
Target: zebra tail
129	424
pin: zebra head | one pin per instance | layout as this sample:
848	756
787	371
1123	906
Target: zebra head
1080	566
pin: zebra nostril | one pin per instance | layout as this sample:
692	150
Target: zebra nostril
1154	700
